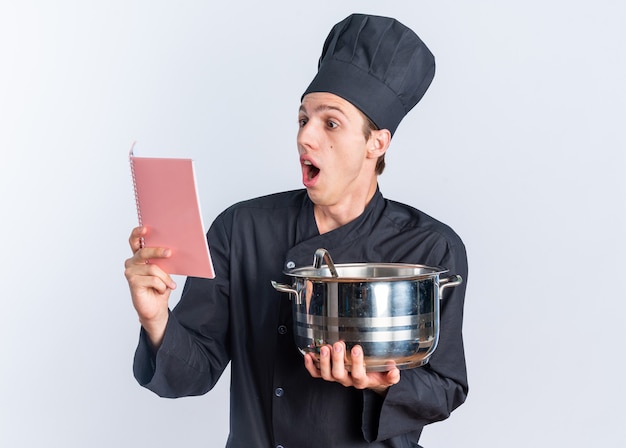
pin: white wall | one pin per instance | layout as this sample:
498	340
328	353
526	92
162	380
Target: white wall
518	145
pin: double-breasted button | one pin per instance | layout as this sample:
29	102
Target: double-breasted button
282	329
279	392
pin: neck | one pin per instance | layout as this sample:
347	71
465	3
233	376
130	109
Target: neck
331	217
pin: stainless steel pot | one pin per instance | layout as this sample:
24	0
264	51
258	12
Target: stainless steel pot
390	309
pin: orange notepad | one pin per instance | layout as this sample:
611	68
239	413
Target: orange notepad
168	204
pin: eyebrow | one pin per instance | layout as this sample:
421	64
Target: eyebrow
324	108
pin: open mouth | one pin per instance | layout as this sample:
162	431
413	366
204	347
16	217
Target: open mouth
310	170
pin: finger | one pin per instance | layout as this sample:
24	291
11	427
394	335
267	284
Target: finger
393	375
386	379
138	273
338	360
149	282
141	256
358	370
136	237
161	284
325	363
309	364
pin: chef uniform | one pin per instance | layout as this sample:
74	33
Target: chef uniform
238	317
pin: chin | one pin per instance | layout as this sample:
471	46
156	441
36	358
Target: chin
315	196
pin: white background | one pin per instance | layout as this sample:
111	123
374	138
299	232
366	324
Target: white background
518	145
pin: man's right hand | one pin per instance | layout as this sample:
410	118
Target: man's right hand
150	286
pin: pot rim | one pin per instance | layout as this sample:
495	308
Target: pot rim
405	271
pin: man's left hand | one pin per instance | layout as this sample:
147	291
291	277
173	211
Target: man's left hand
333	368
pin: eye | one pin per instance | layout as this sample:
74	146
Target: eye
302	121
332	124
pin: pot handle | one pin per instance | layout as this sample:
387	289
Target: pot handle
448	282
284	288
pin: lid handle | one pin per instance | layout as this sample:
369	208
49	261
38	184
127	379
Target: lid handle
323	255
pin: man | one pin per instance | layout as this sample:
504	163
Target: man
373	70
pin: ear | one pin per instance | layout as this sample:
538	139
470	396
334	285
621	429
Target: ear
378	143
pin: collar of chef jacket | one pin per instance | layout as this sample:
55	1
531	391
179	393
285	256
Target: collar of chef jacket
341	242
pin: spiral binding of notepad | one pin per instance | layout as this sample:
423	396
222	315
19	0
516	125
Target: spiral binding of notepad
132	173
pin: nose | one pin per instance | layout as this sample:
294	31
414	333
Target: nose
307	137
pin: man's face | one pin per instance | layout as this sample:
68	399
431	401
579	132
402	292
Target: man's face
333	152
